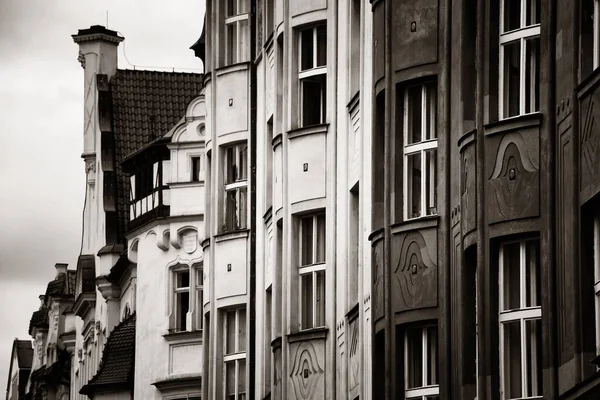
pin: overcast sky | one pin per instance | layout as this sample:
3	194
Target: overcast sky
41	129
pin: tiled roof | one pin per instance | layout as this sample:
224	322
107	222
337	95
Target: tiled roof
39	318
145	105
63	285
118	359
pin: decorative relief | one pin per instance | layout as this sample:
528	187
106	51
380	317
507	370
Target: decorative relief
590	148
353	355
416	270
468	189
307	374
514	182
189	240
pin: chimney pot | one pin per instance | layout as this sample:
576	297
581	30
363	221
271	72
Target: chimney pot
61	268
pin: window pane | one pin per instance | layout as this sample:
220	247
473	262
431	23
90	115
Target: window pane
431	181
432	367
307	241
321	46
195	169
313	100
230	165
231	7
533	12
242	379
230	344
306	55
532	75
415	108
242	206
512	14
512	71
320	239
414	354
183	279
199	298
512	278
512	359
199	277
533	336
242	329
230	216
232	43
244	44
431	120
242	173
414	185
242	6
532	275
320	300
230	379
183	306
306	305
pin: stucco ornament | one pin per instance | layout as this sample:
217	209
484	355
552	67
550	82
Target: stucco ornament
39	346
81	59
189	240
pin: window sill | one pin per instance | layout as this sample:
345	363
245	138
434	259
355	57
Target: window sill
187	184
193	336
513	123
308	334
180	381
429	221
308	130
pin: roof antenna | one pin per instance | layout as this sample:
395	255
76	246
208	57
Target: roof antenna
106	19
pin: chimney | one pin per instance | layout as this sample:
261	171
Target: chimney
61	268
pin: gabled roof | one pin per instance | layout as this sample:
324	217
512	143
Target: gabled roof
39	318
24	353
117	367
63	285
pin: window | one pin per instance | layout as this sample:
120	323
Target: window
236	186
182	299
312	271
420	150
596	255
195	167
354	43
519	57
234	354
420	363
520	316
237	31
312	75
187	296
199	296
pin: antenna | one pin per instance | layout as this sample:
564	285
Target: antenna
106	19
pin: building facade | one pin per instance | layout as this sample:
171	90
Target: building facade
21	357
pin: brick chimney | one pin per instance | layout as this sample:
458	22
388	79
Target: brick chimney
61	268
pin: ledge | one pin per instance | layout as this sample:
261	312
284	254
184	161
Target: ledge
354	101
186	184
467	138
277	140
513	123
308	334
179	381
589	388
588	83
205	243
232	68
376	235
276	343
240	233
353	313
111	249
193	336
430	221
267	216
309	130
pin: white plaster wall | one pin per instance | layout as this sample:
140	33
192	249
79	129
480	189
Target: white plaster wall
113	396
232	86
311	150
230	283
304	6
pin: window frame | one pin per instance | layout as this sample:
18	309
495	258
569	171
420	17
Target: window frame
421	147
198	296
522	35
426	391
596	255
315	268
192	289
195	170
237	185
241	47
523	314
596	40
236	357
315	71
180	326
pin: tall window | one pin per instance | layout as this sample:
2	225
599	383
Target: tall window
312	271
420	150
199	289
237	31
187	295
420	363
195	168
236	187
519	57
520	320
234	354
312	74
354	44
182	299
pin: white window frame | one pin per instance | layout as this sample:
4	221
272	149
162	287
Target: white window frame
420	147
200	171
194	309
522	314
241	47
312	269
310	72
236	356
235	186
425	391
522	34
176	291
198	296
596	34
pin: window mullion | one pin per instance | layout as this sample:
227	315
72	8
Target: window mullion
501	88
423	136
314	299
522	78
314	239
314	60
236	373
596	63
523	6
405	360
405	163
424	359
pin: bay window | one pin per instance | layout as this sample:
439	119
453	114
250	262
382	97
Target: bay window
420	150
312	271
234	354
519	318
312	75
519	57
236	187
237	32
420	363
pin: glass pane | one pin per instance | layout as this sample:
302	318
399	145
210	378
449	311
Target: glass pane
306	294
306	243
415	108
533	12
414	354
414	185
320	239
232	43
320	300
230	216
183	306
512	72
512	15
230	343
306	54
512	359
512	278
231	7
183	279
431	120
243	165
195	169
230	379
432	354
242	6
313	100
230	166
199	309
532	275
431	181
242	378
242	217
199	277
244	45
532	75
242	329
321	46
533	331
